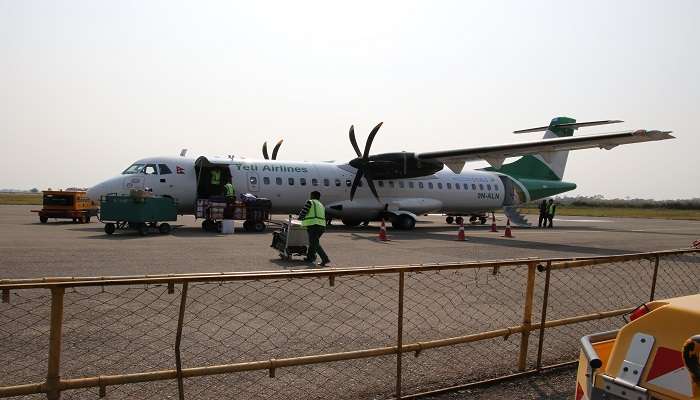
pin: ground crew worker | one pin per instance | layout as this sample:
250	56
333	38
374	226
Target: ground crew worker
543	214
551	208
230	192
313	219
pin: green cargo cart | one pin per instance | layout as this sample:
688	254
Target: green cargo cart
144	214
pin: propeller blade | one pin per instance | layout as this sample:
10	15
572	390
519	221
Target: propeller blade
370	139
276	149
265	151
370	183
354	141
355	183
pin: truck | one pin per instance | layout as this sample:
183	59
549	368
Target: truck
68	204
654	356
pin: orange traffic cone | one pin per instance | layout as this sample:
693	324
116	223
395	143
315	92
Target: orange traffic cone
493	223
382	232
460	234
508	232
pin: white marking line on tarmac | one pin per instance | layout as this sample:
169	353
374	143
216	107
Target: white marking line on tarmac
582	220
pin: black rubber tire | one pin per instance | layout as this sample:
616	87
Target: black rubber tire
219	227
459	220
75	220
449	219
43	220
472	219
259	227
247	226
482	220
404	223
351	222
87	219
164	228
143	229
110	228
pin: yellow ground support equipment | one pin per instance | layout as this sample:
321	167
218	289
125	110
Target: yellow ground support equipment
68	204
654	356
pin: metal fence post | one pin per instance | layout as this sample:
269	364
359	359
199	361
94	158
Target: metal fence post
653	278
527	315
543	318
53	376
178	340
399	336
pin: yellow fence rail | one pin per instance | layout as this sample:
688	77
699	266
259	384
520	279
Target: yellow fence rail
339	332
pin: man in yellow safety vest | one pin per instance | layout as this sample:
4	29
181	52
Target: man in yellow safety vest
230	192
551	209
313	219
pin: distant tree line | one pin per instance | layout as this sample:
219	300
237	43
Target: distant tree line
600	201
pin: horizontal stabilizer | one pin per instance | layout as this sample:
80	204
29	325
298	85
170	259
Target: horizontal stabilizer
572	125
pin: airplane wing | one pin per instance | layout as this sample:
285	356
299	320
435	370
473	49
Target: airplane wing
495	155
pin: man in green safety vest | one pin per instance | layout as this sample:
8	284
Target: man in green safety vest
230	192
313	219
551	208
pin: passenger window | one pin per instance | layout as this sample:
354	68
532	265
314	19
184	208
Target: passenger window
314	182
401	184
253	180
449	185
481	186
391	184
278	180
430	185
164	170
348	182
266	180
488	187
473	186
466	186
410	185
381	183
291	181
337	183
439	185
150	170
420	185
302	181
326	182
457	186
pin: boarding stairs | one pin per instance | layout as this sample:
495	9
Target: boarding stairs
516	218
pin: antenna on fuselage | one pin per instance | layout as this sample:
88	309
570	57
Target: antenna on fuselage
183	152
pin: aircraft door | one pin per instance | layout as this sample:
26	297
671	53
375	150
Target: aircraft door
253	183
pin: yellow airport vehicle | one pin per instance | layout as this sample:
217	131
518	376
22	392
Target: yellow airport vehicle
654	356
69	204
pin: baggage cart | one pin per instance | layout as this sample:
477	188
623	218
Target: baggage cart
291	240
142	213
215	209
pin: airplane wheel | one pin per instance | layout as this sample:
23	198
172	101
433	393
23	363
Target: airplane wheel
459	220
43	220
109	228
449	220
351	222
404	222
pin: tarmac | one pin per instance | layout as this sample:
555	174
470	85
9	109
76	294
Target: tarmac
62	248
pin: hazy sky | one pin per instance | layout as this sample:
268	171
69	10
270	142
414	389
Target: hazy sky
86	87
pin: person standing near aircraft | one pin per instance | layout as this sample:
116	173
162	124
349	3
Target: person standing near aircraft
230	192
313	219
543	214
215	181
551	208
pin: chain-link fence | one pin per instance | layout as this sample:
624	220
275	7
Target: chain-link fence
333	333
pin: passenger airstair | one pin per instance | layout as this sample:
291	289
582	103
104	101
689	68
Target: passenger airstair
516	218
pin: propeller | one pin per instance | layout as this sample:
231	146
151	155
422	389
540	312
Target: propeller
274	150
362	163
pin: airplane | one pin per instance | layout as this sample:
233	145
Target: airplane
393	186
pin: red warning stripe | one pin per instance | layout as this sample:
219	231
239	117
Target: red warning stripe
666	360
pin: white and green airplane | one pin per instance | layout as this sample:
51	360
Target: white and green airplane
394	186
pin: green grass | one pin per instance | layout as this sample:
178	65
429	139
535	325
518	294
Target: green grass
20	199
623	212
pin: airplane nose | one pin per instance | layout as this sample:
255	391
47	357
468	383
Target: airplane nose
104	188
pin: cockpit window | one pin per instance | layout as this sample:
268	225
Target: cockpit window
133	169
150	169
164	170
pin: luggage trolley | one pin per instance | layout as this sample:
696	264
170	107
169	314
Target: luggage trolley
291	240
144	214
